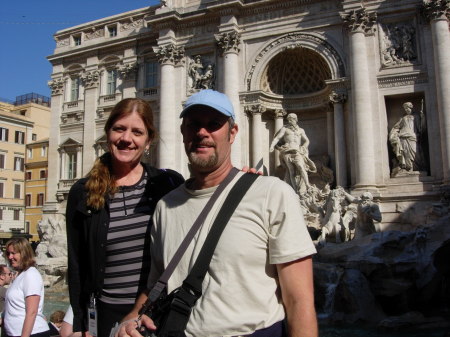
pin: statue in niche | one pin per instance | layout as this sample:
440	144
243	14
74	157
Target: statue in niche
398	44
406	138
367	213
292	142
201	77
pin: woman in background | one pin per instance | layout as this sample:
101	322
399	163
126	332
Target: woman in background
25	296
108	220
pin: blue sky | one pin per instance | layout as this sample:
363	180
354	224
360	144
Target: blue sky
26	37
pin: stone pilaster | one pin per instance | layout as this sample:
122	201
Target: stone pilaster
168	56
228	44
437	12
338	100
91	81
360	23
256	140
57	90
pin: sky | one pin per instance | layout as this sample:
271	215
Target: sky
26	37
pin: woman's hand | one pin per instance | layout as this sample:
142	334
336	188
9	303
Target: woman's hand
251	170
134	327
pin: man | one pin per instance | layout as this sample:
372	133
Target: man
5	279
261	270
294	154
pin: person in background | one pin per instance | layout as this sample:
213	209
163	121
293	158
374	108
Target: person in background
5	279
25	296
261	271
108	220
67	327
55	322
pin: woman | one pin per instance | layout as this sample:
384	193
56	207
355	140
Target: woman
108	218
25	296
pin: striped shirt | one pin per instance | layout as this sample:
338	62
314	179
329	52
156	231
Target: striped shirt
127	245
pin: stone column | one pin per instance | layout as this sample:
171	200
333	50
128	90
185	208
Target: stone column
57	91
85	160
228	43
360	23
256	140
169	55
338	99
278	117
438	14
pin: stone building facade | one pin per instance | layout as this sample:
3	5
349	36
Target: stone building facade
345	68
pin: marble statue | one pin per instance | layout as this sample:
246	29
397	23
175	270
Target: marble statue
333	228
201	77
406	138
292	142
366	214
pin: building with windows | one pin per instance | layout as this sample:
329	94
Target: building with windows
36	166
345	68
21	123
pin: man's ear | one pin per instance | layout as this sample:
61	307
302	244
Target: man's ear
233	132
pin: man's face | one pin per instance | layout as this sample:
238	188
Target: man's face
6	276
207	138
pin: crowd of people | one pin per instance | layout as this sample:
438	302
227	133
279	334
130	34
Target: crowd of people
126	219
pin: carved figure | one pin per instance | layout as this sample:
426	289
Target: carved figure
367	212
292	142
196	71
206	81
333	228
405	138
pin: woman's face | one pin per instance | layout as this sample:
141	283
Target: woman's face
127	140
14	257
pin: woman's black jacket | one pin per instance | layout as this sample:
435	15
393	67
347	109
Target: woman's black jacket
86	238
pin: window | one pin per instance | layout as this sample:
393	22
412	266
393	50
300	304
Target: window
1	214
19	137
18	164
28	175
1	189
77	40
40	199
33	137
42	174
43	151
4	134
16	191
2	161
151	74
28	200
72	165
112	30
30	153
111	78
16	214
74	88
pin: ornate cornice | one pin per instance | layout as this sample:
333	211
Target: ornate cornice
56	86
228	42
169	54
360	21
91	78
436	9
401	80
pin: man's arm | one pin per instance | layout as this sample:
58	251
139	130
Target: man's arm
297	289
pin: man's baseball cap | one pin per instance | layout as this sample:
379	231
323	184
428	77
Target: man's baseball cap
212	99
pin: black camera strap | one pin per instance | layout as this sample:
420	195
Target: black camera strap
191	290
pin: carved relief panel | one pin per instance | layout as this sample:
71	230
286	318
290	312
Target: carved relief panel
398	44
